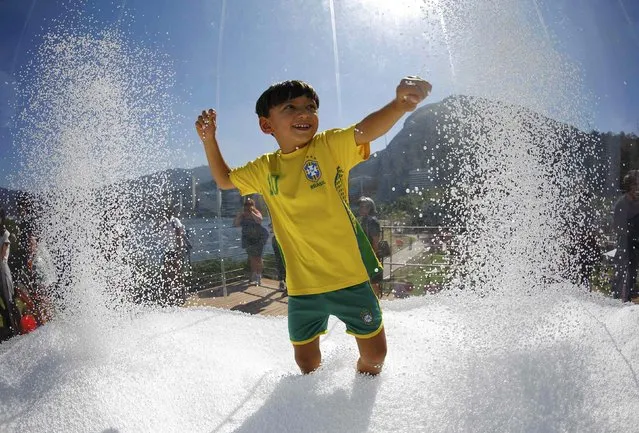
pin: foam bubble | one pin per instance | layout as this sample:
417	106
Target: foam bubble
96	117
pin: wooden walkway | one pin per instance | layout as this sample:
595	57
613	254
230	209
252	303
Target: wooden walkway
265	299
242	296
248	298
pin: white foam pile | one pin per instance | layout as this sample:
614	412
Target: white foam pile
456	363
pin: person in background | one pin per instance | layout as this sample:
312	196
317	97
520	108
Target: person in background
626	229
279	263
8	311
254	237
372	229
25	232
43	273
172	279
585	240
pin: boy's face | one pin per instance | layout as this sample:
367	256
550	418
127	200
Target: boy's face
293	123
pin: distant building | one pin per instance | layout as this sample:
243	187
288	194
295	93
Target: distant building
420	178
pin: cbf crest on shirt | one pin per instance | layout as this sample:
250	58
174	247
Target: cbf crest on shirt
313	172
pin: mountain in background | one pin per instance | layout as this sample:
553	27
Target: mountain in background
423	154
8	198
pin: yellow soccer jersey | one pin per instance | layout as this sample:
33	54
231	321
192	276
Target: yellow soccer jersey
302	190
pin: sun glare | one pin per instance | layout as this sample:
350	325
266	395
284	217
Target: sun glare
397	9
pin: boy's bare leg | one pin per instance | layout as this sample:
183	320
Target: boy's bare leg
372	352
308	356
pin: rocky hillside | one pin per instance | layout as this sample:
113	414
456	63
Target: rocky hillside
434	134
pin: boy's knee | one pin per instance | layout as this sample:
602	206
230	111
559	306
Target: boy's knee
308	356
308	362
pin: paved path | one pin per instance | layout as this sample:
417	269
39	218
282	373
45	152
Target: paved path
267	299
401	257
242	296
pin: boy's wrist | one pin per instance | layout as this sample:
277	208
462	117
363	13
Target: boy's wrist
209	141
399	105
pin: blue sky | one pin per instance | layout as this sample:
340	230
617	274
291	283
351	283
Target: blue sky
226	60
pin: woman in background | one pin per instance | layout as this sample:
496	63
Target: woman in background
254	237
8	310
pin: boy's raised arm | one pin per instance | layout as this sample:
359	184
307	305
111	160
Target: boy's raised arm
206	126
409	93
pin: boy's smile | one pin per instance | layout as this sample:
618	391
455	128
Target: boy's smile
293	123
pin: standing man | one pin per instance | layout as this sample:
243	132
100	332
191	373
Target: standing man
172	279
626	229
372	229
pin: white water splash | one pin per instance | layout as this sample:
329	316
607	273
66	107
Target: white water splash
96	116
521	177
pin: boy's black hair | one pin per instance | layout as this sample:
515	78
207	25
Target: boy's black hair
281	92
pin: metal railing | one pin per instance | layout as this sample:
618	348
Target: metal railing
433	239
217	245
425	250
407	243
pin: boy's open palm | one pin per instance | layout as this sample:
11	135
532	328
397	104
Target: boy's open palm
206	125
411	91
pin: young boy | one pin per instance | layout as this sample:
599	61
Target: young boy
305	185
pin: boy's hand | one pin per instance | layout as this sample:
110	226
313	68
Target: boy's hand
411	91
206	125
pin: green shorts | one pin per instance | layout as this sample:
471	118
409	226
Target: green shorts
356	306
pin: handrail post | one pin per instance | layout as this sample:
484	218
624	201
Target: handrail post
390	259
220	239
